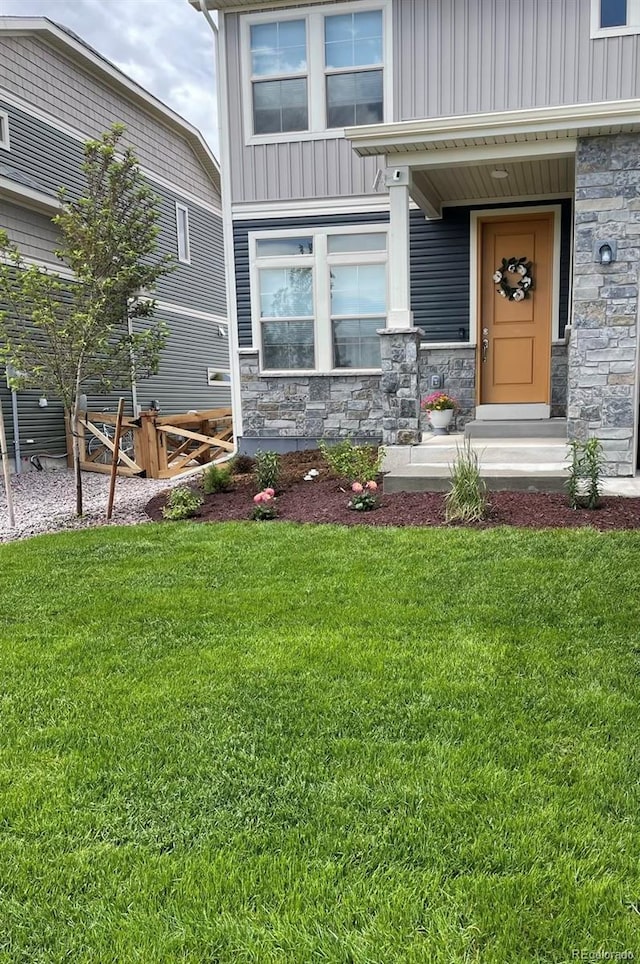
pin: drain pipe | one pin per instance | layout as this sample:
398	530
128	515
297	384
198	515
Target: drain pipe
16	431
226	217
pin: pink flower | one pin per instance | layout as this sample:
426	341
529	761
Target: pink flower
372	486
259	497
265	495
356	487
270	492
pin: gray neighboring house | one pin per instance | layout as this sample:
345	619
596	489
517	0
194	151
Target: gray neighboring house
380	160
55	93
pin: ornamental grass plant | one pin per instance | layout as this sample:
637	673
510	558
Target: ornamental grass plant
466	501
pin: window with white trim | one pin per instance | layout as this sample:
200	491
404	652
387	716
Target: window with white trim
614	17
310	72
182	233
319	297
4	130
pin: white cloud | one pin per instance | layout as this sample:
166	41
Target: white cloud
163	45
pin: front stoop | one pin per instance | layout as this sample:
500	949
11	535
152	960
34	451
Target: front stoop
522	464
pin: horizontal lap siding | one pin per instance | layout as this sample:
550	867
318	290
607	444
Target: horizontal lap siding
201	284
33	233
470	56
440	267
181	382
41	157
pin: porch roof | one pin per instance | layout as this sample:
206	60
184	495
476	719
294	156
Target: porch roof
530	129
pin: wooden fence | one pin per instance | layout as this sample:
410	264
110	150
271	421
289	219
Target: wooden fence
153	446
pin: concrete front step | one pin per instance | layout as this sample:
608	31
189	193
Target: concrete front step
533	464
542	428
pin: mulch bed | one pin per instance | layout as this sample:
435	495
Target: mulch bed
325	501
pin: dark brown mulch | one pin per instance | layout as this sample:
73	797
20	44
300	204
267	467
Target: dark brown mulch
325	500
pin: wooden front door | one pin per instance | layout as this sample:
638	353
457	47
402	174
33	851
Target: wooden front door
515	336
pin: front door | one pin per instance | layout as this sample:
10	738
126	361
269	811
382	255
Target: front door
515	318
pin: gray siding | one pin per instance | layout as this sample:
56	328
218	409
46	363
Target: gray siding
201	284
468	56
440	268
30	67
304	169
181	382
34	233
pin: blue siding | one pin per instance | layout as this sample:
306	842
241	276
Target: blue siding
440	267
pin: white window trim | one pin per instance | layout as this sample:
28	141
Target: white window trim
320	259
5	142
186	257
633	14
314	17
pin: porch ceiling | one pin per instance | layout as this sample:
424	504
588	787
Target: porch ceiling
473	183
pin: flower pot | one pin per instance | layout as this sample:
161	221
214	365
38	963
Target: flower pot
441	420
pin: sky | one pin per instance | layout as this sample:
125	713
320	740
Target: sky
164	45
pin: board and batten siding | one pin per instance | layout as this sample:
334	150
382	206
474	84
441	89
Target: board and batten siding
472	56
181	383
72	93
440	267
300	169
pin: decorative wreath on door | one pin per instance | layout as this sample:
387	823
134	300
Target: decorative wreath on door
514	266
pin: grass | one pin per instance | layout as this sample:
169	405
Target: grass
250	743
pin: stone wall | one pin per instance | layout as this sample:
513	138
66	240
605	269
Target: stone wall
603	348
559	377
457	370
293	411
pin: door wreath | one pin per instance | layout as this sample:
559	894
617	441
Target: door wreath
514	266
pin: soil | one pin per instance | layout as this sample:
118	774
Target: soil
325	499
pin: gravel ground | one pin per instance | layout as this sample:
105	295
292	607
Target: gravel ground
45	502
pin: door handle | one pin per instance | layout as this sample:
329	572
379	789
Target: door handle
485	348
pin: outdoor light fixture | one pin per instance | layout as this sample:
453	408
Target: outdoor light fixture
499	173
154	406
604	251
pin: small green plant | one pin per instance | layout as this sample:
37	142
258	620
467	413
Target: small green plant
264	505
182	503
364	496
216	478
466	501
267	470
583	484
349	461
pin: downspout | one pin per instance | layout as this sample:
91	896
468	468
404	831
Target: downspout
16	431
227	229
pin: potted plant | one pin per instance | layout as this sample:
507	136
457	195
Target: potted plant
440	408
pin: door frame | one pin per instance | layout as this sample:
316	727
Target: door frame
478	218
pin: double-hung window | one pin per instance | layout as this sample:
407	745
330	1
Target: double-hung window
614	17
319	298
310	72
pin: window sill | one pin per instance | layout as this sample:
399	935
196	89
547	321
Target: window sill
428	345
306	373
603	32
292	137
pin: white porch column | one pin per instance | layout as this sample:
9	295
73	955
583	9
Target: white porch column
399	315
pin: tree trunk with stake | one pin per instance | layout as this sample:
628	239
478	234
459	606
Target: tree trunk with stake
5	469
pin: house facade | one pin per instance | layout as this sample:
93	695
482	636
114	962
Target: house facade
425	194
55	93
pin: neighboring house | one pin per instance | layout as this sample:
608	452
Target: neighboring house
55	93
380	160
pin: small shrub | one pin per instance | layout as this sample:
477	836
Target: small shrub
182	503
264	506
466	501
364	498
217	478
349	461
267	470
583	484
242	464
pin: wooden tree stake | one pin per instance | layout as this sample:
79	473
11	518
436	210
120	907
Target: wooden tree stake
116	458
5	469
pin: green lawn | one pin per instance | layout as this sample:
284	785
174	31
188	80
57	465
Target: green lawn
269	743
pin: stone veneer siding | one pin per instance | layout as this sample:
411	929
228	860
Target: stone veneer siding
307	407
602	396
457	370
559	376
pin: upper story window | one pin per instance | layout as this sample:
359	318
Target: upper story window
4	130
308	74
182	232
614	17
